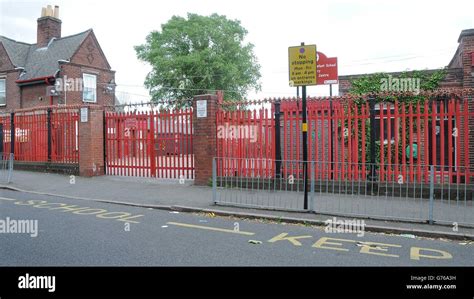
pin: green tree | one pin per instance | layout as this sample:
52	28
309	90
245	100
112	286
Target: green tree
199	54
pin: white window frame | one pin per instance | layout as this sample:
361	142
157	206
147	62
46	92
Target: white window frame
4	91
84	76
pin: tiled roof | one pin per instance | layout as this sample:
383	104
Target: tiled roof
42	62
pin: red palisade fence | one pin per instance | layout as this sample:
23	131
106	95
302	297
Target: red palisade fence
408	138
35	128
247	134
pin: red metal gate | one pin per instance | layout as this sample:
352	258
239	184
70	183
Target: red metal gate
150	144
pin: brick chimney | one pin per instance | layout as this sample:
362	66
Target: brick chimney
49	25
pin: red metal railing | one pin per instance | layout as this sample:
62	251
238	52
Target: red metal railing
150	144
65	135
409	138
32	134
5	121
250	136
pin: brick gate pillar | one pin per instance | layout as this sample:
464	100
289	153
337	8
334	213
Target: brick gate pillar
91	141
204	139
466	47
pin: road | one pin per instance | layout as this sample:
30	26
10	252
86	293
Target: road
87	233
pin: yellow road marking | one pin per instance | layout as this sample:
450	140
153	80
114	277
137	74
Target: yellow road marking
324	241
293	240
9	199
371	247
75	209
415	254
212	228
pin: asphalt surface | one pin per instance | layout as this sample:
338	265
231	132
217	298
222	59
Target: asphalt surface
118	235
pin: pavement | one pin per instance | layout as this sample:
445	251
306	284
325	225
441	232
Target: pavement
184	196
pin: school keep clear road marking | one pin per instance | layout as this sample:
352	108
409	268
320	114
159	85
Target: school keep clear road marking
77	210
338	244
9	199
211	228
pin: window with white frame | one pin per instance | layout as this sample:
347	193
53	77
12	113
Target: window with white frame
89	93
3	93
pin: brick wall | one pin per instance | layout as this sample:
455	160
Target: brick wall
76	71
91	143
10	75
204	140
89	59
466	47
90	54
33	96
5	63
12	91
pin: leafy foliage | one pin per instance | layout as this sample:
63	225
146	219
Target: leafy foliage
371	83
198	54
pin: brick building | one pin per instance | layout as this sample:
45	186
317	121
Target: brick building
55	70
459	71
459	74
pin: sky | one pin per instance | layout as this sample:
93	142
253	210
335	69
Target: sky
366	36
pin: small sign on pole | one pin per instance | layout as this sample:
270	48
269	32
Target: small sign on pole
327	69
302	65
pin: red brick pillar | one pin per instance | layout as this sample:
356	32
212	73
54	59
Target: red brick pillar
91	141
466	45
204	138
